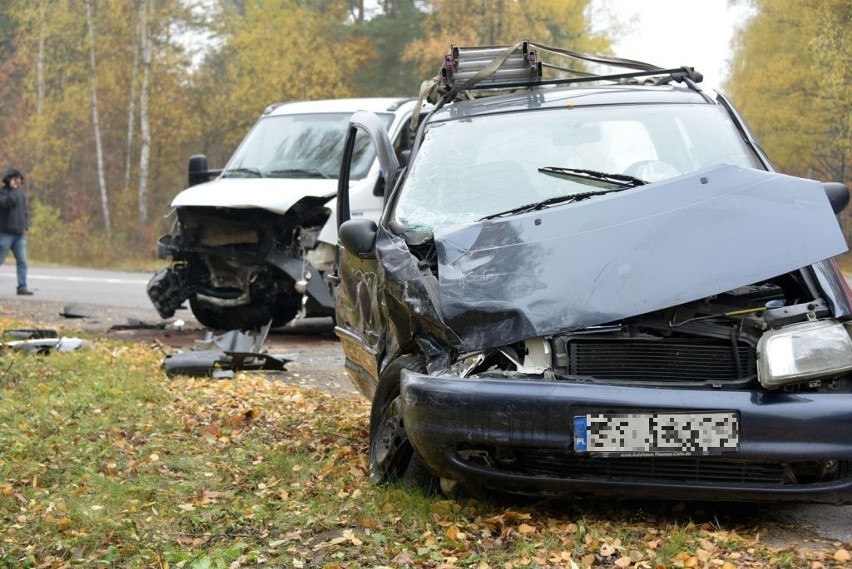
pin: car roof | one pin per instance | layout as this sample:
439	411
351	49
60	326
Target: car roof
574	96
373	104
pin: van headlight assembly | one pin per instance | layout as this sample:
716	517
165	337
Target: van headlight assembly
800	352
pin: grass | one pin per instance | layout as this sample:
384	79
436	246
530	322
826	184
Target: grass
105	462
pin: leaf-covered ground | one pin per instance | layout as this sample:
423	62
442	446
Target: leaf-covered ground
105	462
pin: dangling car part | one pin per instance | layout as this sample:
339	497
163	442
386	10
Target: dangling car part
596	284
252	243
221	355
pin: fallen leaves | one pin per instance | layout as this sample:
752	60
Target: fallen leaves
113	466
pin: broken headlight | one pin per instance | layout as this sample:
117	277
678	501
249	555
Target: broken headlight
799	352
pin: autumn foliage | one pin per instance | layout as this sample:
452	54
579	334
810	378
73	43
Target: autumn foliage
105	101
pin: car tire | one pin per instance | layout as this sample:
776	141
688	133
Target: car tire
246	317
392	456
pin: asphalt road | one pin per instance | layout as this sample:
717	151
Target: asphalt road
317	362
95	287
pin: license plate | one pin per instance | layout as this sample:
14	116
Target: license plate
657	434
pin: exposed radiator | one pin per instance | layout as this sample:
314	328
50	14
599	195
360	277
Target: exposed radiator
666	360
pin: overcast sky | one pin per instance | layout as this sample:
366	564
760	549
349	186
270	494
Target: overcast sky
672	33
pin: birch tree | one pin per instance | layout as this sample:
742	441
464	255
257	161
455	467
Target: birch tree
96	122
144	126
131	100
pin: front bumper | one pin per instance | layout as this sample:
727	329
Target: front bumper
516	435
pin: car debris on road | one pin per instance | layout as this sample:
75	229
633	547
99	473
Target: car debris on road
221	355
39	341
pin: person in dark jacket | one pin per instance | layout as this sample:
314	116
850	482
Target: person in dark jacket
14	222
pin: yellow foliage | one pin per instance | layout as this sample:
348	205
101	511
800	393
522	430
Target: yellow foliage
560	23
283	54
792	82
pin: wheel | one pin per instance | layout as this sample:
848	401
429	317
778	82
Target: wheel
392	457
247	317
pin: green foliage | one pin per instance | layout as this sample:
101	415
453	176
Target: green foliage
391	32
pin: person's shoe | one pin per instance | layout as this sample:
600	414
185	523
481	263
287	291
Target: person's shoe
25	291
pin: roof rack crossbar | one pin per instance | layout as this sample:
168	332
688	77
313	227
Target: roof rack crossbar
677	73
601	59
467	69
491	67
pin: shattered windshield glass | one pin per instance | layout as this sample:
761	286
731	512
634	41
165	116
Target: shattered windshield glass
301	146
480	167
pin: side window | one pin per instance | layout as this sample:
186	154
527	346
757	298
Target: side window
363	155
404	140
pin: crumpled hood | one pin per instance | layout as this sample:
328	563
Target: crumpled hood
629	253
273	194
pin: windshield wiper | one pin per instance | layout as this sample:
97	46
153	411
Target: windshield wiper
569	198
302	173
252	172
593	177
609	182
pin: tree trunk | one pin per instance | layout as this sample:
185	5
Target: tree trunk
42	34
131	107
40	61
144	126
96	123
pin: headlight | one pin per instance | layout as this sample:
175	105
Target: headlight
800	352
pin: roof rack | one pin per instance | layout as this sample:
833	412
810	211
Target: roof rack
500	68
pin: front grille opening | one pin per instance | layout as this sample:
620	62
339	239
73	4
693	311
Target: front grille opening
658	360
567	465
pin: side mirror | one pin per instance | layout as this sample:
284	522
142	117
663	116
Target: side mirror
838	195
198	170
358	236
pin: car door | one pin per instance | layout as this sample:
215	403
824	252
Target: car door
358	312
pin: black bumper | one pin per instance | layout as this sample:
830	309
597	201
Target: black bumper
516	435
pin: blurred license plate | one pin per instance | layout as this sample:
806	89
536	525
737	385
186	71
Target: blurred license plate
657	434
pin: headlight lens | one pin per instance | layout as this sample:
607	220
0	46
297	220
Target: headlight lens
800	352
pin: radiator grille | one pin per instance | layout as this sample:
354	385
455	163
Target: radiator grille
660	360
684	470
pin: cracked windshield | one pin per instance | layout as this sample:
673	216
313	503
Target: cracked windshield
476	168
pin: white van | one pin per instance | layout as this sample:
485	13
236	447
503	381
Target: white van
251	243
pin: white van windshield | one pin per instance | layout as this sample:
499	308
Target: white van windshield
301	146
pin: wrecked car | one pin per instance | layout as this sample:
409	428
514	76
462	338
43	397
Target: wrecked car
251	243
596	285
